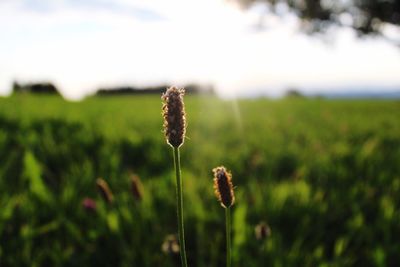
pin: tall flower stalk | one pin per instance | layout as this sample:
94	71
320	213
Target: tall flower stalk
174	130
224	191
228	236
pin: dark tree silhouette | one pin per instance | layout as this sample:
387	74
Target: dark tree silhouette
364	16
293	93
35	88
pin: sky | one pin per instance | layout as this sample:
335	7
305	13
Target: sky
81	45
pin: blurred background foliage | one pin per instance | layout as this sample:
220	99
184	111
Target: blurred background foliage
367	17
324	175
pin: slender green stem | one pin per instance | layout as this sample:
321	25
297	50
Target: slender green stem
228	236
179	199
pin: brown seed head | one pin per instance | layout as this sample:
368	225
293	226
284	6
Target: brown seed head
223	187
262	231
136	187
173	111
170	245
104	190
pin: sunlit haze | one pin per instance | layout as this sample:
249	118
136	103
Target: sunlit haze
83	45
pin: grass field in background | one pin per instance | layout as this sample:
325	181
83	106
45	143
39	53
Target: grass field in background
325	176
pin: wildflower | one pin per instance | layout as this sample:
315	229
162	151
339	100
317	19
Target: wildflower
223	186
136	187
262	231
173	111
170	245
104	190
89	204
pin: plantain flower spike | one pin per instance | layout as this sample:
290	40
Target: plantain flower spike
262	231
170	245
173	111
104	190
136	187
223	187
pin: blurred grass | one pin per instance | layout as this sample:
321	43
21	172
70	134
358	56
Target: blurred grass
325	175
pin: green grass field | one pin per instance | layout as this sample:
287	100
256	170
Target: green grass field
325	176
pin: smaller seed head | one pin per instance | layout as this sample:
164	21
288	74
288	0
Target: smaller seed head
170	245
262	231
173	111
136	187
104	190
223	186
